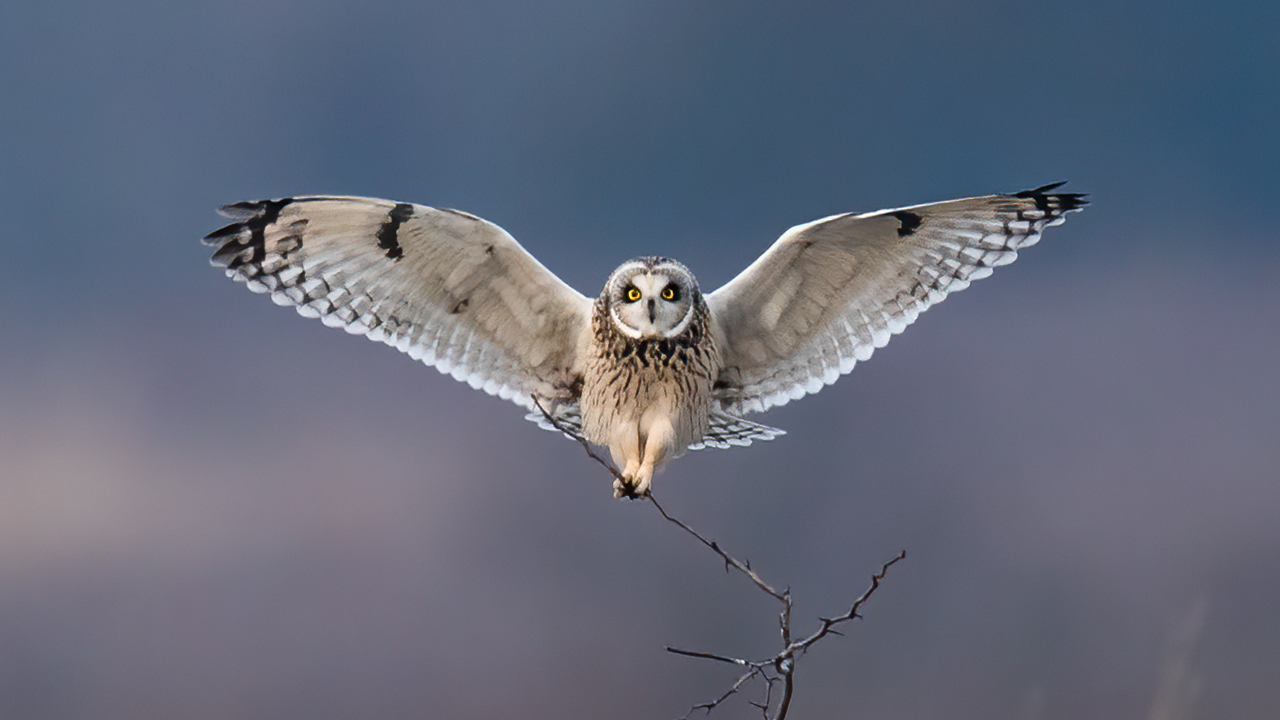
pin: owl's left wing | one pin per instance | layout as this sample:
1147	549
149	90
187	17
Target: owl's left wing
829	292
448	288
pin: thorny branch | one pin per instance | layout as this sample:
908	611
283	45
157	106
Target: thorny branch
729	560
777	669
781	667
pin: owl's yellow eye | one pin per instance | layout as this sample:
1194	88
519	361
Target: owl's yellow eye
633	294
669	292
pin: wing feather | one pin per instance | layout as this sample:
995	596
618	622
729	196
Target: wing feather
829	292
445	287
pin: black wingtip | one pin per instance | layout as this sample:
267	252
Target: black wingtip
239	212
216	237
1042	190
242	241
1064	202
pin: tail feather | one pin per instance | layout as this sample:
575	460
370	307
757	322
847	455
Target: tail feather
726	431
568	417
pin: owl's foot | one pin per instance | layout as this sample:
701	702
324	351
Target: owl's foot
625	490
633	486
629	491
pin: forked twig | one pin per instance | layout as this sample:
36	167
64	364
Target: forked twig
780	667
829	623
777	669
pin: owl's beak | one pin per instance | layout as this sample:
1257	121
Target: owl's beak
653	311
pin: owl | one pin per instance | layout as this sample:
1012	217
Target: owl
652	366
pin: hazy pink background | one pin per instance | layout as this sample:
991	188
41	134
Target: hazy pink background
212	508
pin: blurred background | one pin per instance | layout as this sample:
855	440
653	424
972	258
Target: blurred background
213	508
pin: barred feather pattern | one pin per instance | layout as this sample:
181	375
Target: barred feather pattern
443	286
625	377
828	293
725	431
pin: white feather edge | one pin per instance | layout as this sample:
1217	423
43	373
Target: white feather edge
881	334
446	365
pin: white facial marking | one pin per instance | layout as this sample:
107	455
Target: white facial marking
650	303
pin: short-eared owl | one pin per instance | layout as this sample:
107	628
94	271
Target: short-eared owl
651	367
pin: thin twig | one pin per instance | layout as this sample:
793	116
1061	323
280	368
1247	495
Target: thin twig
568	432
729	560
709	706
829	623
783	664
710	656
780	667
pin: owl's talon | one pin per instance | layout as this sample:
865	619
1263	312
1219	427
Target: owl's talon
629	490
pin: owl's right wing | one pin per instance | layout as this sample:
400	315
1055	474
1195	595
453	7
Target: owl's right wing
448	288
829	292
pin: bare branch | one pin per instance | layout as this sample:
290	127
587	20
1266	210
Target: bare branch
784	662
729	560
829	623
781	667
709	706
711	656
768	697
788	687
585	445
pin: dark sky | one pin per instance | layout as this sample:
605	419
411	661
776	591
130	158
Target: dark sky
210	507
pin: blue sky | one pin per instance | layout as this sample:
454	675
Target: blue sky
210	506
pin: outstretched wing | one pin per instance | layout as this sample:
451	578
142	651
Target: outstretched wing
446	287
828	293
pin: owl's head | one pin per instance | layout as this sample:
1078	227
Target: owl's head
651	297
